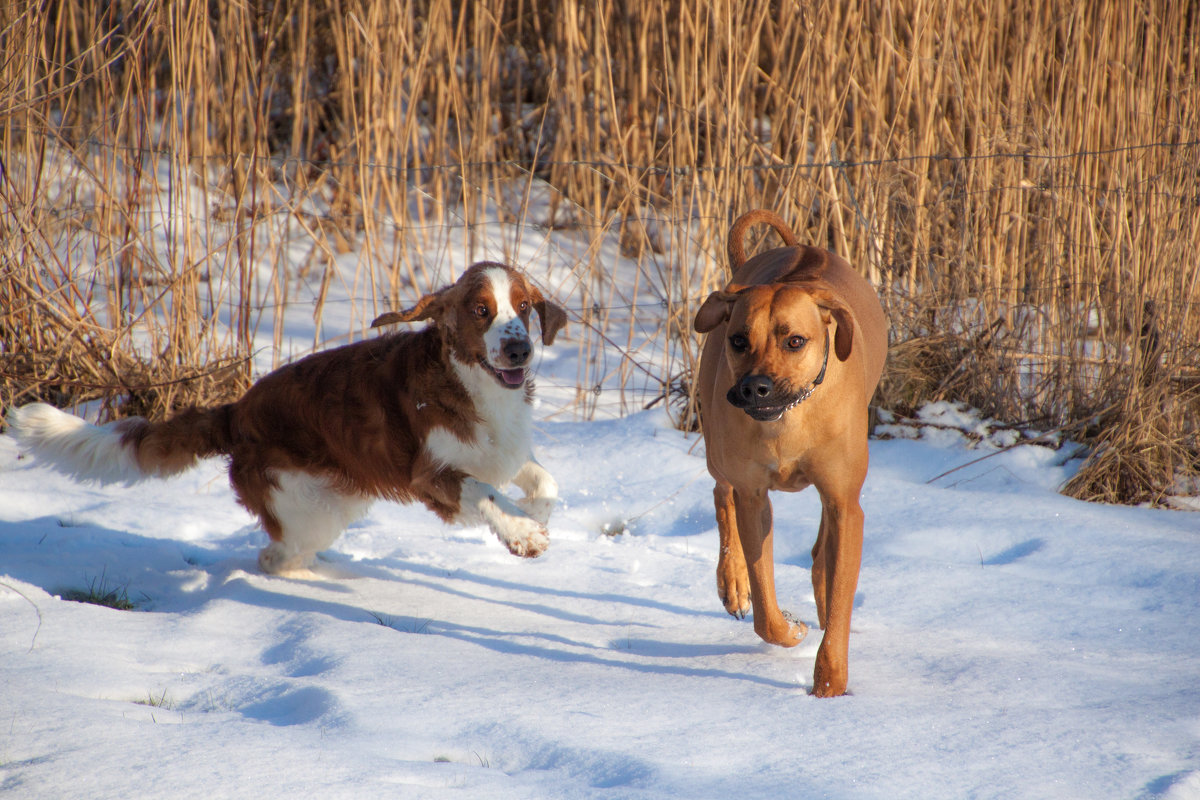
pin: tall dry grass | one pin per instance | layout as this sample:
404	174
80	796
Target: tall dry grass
1020	181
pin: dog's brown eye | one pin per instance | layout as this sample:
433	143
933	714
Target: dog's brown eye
481	311
739	342
524	305
796	342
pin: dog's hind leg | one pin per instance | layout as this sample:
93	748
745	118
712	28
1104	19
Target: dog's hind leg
540	488
303	516
733	582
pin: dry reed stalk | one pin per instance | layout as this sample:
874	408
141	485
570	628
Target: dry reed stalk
1018	180
93	304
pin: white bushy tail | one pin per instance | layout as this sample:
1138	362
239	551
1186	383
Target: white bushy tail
74	446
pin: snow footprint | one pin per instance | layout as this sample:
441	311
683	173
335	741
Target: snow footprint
297	659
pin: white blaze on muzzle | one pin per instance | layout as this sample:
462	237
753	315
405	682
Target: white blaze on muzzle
507	342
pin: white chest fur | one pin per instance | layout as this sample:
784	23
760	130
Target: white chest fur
502	440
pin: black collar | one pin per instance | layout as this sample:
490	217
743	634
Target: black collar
824	362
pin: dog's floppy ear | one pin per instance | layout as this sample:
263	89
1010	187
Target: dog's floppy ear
553	318
843	340
714	310
427	307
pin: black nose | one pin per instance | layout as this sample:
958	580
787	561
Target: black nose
754	387
516	351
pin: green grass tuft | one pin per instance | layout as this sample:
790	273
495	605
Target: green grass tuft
161	701
402	624
100	593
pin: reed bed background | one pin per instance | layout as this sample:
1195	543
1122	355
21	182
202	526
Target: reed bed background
1021	181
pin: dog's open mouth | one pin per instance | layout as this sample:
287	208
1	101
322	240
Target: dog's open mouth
769	408
766	413
509	378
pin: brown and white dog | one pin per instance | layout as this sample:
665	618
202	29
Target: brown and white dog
440	415
795	348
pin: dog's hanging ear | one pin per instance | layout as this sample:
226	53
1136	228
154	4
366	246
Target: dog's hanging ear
843	340
714	310
552	317
426	308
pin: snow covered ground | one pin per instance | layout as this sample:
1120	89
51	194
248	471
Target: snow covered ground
1008	642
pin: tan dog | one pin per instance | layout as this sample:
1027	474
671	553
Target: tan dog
795	349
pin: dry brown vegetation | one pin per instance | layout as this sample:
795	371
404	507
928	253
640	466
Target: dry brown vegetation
1020	180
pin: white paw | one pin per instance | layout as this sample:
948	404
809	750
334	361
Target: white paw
521	533
277	559
523	536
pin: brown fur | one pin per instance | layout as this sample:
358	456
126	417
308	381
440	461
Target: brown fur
766	348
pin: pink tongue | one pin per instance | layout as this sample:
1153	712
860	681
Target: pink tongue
512	376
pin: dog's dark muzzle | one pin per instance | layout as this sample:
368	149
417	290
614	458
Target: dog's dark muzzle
766	400
761	397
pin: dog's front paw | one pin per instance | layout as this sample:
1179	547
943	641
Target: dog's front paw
521	533
798	630
523	536
733	586
278	558
735	595
781	629
830	676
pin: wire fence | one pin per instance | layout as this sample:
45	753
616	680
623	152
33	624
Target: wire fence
41	208
64	135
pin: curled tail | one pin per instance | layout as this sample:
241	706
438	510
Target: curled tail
125	451
736	245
